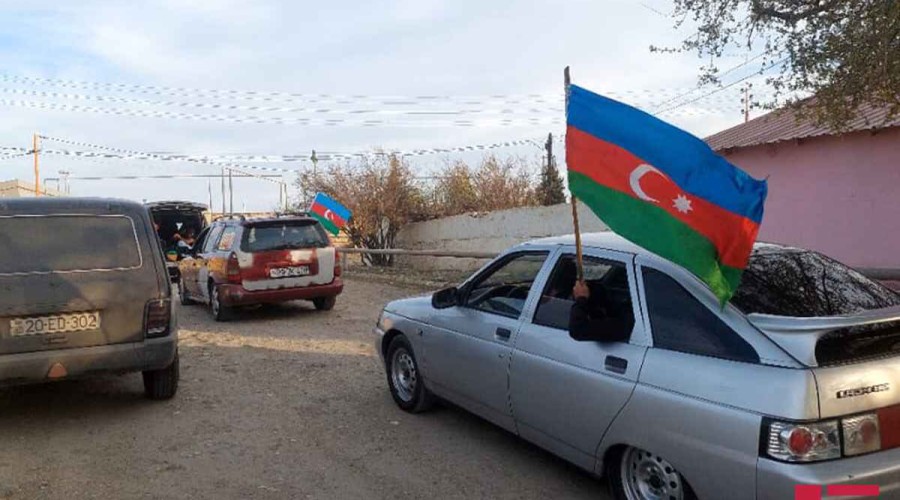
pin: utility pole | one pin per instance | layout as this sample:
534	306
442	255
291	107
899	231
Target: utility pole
315	181
230	193
64	175
37	169
549	147
223	191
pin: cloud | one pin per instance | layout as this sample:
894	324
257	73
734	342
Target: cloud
342	47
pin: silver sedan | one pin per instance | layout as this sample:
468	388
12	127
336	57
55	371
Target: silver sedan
795	381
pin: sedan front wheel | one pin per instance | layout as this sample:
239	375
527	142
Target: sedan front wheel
404	378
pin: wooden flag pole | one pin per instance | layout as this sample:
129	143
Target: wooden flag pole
579	261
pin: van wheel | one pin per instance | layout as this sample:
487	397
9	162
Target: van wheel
404	378
219	311
325	303
162	384
182	294
635	474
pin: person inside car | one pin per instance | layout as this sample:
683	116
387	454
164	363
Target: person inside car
185	243
590	319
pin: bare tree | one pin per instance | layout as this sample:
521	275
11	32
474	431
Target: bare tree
381	194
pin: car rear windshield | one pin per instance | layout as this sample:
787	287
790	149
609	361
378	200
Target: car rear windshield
791	282
283	235
63	243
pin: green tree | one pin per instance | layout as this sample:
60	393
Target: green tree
550	189
844	52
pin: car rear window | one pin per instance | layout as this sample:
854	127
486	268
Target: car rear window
801	283
283	235
64	243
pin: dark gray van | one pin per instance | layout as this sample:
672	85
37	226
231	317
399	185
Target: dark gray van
84	289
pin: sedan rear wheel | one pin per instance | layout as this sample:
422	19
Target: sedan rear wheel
641	475
182	294
324	303
219	311
404	379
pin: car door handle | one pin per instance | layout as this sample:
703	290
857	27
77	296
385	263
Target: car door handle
616	365
503	333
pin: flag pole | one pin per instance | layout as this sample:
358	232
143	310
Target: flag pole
579	261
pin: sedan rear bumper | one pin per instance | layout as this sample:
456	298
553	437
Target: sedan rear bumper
236	295
29	367
777	479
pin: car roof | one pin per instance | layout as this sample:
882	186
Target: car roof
243	221
175	205
287	217
611	241
48	205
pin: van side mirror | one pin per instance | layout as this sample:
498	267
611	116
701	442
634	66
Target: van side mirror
445	298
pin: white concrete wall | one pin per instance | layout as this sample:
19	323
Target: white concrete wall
488	232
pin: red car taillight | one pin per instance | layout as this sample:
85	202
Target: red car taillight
157	318
337	263
828	439
234	269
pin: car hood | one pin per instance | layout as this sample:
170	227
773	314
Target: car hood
413	307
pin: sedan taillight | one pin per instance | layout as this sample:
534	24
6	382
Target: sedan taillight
803	442
337	263
824	440
157	318
234	269
861	434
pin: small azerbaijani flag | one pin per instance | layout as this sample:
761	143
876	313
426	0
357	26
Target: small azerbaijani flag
332	215
663	189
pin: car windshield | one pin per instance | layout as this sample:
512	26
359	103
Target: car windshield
285	235
57	243
792	282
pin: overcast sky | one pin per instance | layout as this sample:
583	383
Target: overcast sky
486	60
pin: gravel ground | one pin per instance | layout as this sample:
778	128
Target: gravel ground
284	402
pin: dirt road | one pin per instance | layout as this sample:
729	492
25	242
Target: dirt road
285	402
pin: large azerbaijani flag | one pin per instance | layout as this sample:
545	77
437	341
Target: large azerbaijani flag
332	215
662	188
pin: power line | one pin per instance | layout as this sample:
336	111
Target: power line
160	176
219	160
16	155
274	95
720	89
730	70
319	122
281	109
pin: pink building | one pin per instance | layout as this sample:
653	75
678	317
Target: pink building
835	193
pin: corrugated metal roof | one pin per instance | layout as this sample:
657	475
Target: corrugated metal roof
782	125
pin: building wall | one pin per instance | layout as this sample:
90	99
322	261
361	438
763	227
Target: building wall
16	188
488	232
837	195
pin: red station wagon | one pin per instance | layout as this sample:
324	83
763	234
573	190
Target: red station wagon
240	262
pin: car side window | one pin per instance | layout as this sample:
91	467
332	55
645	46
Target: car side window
201	238
227	238
504	289
607	281
212	239
681	323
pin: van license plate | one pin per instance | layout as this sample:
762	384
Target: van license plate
60	323
288	272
